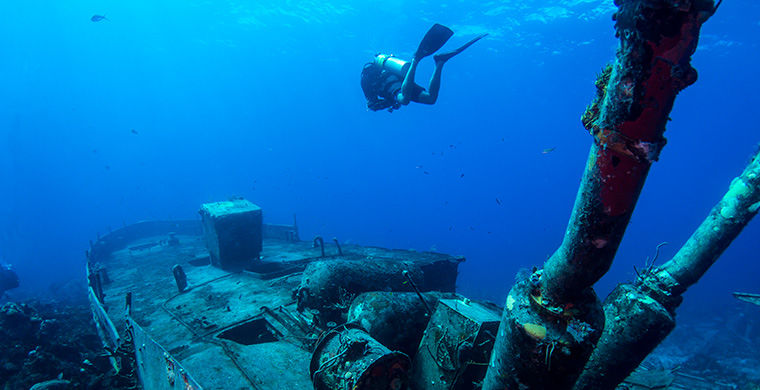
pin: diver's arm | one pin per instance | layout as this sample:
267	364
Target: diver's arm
406	87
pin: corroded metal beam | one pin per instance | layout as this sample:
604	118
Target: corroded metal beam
639	316
553	318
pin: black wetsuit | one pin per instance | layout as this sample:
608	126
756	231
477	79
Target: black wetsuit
381	88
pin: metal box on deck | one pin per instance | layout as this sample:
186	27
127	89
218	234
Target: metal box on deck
232	231
456	346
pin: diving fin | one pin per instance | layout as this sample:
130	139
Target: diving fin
433	40
443	57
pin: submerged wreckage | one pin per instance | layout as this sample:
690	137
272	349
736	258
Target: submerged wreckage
233	303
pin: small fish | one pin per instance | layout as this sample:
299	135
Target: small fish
98	18
51	385
461	176
498	201
547	150
133	131
426	172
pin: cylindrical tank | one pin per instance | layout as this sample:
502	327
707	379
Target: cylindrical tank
392	64
346	357
328	287
396	319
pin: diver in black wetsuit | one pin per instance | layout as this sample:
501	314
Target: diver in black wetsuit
388	82
8	279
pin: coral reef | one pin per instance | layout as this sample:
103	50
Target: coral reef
54	343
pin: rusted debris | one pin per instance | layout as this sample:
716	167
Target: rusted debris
346	357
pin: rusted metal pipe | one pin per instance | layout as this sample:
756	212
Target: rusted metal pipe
555	309
726	220
180	277
318	241
419	294
340	251
635	97
640	315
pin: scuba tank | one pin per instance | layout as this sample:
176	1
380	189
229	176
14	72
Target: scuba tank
392	64
381	79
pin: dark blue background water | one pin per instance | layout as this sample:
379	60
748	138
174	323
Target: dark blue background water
261	99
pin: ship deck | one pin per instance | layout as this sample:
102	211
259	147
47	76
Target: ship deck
225	330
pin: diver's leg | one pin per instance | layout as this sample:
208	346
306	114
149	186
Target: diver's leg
431	95
406	88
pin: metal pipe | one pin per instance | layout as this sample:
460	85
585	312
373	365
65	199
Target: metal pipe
321	242
627	119
294	233
640	315
726	220
180	277
340	251
128	304
417	290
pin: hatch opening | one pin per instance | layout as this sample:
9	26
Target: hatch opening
200	261
257	331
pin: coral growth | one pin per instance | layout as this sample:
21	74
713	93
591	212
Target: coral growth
54	342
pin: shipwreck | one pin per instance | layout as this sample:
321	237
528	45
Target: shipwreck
231	302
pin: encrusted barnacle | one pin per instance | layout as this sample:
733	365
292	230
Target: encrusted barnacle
591	115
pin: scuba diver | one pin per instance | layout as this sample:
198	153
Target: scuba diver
388	81
8	279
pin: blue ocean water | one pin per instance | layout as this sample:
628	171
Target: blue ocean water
168	104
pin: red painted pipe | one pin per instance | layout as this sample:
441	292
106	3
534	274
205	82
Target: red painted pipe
628	121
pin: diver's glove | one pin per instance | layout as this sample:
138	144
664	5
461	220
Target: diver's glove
379	104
